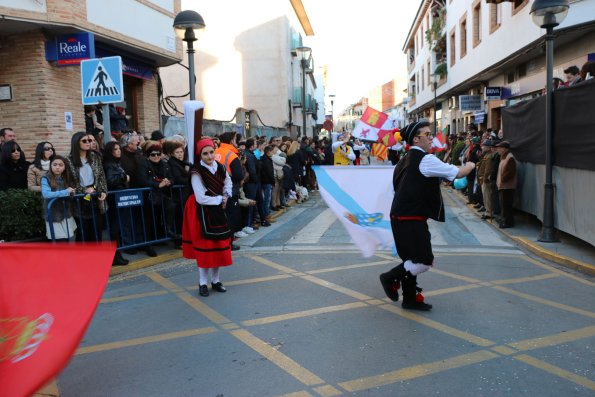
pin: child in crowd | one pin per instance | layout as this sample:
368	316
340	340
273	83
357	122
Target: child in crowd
58	182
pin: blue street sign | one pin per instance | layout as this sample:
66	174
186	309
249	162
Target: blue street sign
101	81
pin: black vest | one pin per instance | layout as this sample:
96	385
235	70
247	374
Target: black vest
415	194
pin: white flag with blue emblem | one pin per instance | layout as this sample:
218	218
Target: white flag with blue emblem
361	198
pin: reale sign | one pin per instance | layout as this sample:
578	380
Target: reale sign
71	49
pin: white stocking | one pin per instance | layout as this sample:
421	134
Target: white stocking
416	268
203	275
215	275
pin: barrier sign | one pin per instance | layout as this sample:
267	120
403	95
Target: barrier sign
129	199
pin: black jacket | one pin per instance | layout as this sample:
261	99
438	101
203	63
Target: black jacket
267	173
14	176
130	162
253	167
115	176
178	172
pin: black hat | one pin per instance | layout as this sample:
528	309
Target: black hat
504	144
487	142
156	135
410	130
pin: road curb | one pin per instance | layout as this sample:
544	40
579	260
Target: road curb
49	390
147	262
575	264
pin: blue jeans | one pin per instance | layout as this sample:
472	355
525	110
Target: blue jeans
266	202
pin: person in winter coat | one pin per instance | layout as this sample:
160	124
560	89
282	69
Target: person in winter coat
117	179
13	167
279	159
506	183
267	180
44	153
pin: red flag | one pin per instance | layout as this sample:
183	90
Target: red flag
371	122
379	151
48	294
438	143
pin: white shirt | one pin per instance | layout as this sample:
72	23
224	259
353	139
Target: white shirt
348	153
432	166
200	190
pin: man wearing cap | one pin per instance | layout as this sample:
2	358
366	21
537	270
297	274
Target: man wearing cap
416	181
506	183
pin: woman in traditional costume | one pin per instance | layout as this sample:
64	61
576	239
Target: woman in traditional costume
206	235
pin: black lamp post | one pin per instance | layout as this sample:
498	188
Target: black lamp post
435	78
304	55
189	26
548	14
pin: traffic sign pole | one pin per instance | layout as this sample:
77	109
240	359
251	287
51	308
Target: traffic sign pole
107	128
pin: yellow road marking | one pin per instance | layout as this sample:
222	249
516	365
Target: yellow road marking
526	279
133	296
338	288
189	299
451	290
417	371
281	360
144	340
558	271
298	394
301	314
504	350
327	391
438	326
546	302
455	276
552	340
562	373
349	267
272	264
256	280
140	264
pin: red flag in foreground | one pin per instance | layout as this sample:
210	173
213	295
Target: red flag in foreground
371	123
48	294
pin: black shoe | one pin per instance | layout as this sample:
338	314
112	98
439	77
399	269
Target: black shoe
150	252
477	206
203	290
482	209
130	252
265	223
504	226
486	217
391	286
218	287
422	306
119	260
235	247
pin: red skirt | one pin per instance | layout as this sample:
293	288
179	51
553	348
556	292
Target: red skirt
208	253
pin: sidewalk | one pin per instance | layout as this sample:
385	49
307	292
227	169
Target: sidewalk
570	251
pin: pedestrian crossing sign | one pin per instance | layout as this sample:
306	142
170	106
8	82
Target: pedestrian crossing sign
101	81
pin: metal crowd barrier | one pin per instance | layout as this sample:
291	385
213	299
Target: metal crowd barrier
134	217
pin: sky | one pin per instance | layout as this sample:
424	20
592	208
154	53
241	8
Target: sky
361	43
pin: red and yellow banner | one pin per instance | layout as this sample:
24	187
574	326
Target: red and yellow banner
48	294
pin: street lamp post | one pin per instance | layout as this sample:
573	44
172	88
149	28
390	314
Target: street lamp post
547	14
304	55
435	78
189	26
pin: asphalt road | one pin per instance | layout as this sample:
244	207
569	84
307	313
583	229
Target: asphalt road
305	315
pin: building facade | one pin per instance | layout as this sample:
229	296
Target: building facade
246	60
479	48
40	52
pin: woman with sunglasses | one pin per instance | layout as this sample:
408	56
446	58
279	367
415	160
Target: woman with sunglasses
13	167
87	170
44	154
154	172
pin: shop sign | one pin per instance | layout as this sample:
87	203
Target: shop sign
130	67
493	93
129	198
469	103
479	117
71	49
